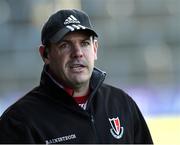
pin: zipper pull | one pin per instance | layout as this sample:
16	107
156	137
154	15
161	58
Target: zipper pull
92	118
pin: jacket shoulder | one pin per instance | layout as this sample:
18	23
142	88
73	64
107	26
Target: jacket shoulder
16	121
20	108
115	92
117	97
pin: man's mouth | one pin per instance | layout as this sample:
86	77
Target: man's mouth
77	67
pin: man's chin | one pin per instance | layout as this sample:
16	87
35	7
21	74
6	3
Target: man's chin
80	80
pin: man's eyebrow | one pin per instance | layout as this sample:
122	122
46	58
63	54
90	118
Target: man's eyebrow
88	38
62	41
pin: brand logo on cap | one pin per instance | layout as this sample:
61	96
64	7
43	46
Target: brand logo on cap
73	24
71	19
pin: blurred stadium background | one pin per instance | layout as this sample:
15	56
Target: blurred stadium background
139	49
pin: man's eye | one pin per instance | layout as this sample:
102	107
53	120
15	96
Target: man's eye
64	46
85	43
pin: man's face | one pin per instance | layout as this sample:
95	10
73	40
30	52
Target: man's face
71	61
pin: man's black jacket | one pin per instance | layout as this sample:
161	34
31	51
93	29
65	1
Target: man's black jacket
47	114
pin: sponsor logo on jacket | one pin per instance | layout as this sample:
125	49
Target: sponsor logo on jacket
61	139
117	130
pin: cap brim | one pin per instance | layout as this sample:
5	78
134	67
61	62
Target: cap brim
61	33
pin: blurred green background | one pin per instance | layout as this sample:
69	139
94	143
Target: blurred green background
139	48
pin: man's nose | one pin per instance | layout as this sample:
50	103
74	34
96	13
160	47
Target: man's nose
77	51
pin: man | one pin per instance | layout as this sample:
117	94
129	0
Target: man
72	104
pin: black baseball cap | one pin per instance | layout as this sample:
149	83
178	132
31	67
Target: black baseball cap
64	21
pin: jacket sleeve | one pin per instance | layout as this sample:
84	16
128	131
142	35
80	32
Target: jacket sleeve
141	132
14	130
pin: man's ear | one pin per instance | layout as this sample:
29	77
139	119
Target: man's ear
43	53
95	49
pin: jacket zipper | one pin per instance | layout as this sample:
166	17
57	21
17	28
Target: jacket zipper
89	102
94	128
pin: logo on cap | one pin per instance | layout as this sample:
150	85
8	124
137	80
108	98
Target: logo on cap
73	24
71	19
116	130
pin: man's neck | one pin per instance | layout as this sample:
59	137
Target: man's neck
81	92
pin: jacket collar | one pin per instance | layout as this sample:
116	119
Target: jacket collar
97	78
52	86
